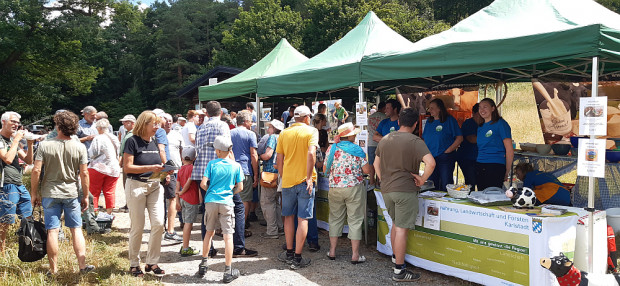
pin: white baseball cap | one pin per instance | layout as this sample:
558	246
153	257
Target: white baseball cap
181	118
221	143
301	111
158	111
128	117
277	124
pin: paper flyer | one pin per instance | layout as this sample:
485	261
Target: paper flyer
418	219
431	215
361	114
362	140
591	158
593	115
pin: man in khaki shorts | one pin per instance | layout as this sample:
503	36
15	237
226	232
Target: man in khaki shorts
397	164
224	176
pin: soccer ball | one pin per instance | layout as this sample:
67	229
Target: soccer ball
523	197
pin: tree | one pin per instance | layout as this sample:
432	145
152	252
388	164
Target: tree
41	62
330	20
258	31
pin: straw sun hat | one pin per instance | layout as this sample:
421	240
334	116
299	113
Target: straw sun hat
346	130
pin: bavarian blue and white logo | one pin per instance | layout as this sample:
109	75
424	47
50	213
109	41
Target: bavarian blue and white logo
489	133
439	128
537	225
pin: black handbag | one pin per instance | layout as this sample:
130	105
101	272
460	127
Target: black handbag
32	239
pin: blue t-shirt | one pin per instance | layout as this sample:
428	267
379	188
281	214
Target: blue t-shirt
386	126
223	174
271	143
491	142
243	139
439	136
547	188
285	116
162	138
468	151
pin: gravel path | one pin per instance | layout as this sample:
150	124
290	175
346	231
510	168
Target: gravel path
265	269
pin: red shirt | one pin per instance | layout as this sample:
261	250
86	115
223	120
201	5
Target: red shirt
191	195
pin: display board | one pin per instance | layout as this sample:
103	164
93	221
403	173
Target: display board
483	245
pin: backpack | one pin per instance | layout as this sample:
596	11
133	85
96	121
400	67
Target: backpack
32	239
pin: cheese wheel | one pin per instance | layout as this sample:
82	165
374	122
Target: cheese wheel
611	111
613	126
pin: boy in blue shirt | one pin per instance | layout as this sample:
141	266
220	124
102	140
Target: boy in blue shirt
225	178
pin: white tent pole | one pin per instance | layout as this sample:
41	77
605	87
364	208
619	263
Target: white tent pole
361	92
591	178
258	115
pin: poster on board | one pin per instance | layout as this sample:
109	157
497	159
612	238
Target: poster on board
593	115
362	140
591	158
361	114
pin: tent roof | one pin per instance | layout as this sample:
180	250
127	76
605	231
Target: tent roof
339	65
281	57
509	40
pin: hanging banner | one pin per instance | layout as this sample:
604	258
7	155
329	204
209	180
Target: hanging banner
593	116
591	158
361	114
559	108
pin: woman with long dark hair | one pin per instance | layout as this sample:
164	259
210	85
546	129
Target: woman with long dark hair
442	135
495	153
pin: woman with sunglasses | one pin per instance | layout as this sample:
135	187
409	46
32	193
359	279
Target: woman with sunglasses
141	159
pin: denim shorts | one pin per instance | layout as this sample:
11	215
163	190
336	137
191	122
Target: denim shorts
14	201
297	201
53	209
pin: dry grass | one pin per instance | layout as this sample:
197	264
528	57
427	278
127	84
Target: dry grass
108	253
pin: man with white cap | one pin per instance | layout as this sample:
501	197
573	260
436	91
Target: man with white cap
269	196
128	121
295	160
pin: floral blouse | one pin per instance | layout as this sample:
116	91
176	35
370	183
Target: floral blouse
346	170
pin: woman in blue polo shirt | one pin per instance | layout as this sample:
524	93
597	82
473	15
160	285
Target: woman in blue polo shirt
442	135
495	151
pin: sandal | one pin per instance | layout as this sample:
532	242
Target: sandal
136	271
360	259
248	233
331	257
155	268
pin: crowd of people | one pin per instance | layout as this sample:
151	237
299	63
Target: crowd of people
209	165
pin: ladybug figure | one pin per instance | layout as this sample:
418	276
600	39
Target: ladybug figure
522	197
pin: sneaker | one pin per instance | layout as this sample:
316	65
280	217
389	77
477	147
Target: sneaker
202	268
87	269
300	264
124	209
314	247
269	236
282	257
245	253
405	276
189	252
230	276
173	236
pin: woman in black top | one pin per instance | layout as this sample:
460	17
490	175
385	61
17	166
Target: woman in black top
142	158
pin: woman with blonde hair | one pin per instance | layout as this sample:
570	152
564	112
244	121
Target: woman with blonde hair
142	190
103	168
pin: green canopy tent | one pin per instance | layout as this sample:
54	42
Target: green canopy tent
280	58
509	40
512	40
338	66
